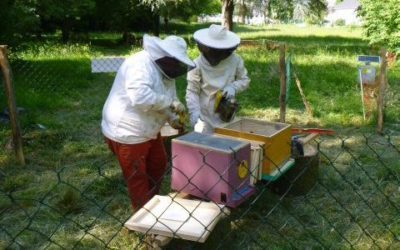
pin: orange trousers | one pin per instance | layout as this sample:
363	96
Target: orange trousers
143	166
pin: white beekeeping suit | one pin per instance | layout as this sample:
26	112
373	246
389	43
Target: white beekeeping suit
228	75
139	102
142	99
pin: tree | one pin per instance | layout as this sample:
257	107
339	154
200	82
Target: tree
381	23
228	7
66	14
286	10
158	6
181	9
191	8
122	16
282	9
317	10
17	20
243	10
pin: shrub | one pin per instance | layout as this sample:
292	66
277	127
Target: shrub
340	22
381	23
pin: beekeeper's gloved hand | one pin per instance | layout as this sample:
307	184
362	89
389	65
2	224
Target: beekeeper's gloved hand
177	107
176	124
228	92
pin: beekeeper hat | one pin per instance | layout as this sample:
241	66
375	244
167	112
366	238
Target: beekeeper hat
217	37
172	46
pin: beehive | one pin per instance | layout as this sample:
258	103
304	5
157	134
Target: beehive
212	168
275	136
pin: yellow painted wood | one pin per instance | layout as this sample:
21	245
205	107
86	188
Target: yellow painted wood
275	136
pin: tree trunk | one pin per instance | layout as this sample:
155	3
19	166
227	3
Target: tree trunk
156	23
65	30
242	12
126	37
166	22
381	95
267	11
227	14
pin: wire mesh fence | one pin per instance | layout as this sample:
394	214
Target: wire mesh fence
72	194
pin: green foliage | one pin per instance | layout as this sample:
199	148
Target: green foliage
382	23
316	10
17	19
76	17
191	8
121	15
282	10
340	22
67	15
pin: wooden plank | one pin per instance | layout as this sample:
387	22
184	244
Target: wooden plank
308	138
303	97
12	108
176	217
382	89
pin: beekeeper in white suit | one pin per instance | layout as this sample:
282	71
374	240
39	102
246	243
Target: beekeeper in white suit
217	68
142	98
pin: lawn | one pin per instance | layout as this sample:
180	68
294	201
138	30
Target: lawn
71	193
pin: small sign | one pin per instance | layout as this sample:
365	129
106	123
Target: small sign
106	64
367	74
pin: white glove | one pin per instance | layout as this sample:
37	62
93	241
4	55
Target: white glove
228	91
177	107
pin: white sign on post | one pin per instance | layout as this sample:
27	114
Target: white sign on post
367	74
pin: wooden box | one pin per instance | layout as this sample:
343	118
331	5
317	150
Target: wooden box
275	136
212	168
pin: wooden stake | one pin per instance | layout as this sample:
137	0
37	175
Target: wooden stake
382	89
362	93
12	108
306	104
282	74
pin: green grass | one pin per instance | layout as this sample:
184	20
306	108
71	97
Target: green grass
71	193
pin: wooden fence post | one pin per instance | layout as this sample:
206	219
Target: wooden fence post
282	77
12	108
382	89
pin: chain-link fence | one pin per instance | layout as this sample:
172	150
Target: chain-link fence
344	193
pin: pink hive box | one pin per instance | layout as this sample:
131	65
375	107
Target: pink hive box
212	168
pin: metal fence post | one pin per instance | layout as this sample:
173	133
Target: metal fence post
12	108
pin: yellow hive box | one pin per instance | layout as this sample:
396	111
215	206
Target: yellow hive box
276	138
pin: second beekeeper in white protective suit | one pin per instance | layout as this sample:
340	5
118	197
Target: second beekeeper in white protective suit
218	68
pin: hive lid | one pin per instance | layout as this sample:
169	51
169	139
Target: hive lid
254	127
176	217
211	142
